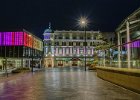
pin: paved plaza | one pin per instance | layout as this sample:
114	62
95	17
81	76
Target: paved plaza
62	84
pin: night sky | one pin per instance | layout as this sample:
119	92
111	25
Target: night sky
34	15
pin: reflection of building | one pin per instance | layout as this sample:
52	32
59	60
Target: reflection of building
129	32
18	47
67	48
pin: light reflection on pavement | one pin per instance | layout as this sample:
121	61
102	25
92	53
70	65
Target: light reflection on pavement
63	84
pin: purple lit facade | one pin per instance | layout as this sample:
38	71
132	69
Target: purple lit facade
48	36
11	38
0	38
20	47
18	38
136	44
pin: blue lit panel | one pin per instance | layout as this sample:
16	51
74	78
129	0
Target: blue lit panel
46	50
47	37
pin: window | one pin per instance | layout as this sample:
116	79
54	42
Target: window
94	38
55	36
88	38
81	38
85	43
93	44
63	43
77	43
49	43
56	43
90	43
74	37
70	43
60	37
67	37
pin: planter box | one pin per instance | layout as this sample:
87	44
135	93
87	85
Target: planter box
127	78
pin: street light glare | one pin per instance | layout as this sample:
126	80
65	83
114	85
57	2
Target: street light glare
83	21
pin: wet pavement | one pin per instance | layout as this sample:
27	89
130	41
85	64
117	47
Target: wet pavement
63	84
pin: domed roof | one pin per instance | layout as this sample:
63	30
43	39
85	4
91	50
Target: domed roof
49	30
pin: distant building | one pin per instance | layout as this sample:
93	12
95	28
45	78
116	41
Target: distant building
67	48
18	48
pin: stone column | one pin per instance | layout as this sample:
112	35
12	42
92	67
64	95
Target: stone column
70	50
29	63
52	59
56	51
64	51
40	63
119	51
128	45
92	51
78	51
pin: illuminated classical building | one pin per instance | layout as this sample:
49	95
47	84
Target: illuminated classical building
67	48
19	49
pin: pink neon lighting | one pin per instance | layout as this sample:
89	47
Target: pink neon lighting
7	38
18	37
11	38
0	38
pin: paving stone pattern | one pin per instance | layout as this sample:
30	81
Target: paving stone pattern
63	84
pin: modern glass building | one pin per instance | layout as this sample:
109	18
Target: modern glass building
18	48
67	48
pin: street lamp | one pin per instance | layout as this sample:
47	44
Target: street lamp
6	60
83	22
32	51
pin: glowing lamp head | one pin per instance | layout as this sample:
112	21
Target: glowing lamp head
83	21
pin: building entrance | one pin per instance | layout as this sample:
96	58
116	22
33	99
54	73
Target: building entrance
48	62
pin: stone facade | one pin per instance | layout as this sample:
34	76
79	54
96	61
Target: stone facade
68	48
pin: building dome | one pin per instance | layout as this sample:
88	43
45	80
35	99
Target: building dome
49	30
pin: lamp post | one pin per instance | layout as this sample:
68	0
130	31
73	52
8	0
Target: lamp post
6	61
83	23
